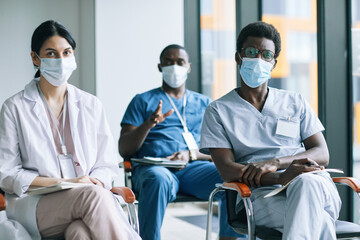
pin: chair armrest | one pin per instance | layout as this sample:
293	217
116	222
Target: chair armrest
241	188
350	181
125	192
127	166
2	202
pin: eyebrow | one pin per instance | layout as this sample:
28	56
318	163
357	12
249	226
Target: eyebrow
170	59
52	49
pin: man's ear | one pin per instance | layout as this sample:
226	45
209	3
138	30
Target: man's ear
274	64
189	70
237	58
159	67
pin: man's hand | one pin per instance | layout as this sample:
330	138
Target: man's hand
85	179
252	172
157	116
297	167
182	156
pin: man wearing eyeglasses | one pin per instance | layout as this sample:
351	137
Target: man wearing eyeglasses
263	137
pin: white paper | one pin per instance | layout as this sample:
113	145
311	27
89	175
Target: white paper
55	188
277	190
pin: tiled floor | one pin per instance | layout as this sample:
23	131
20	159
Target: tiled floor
177	226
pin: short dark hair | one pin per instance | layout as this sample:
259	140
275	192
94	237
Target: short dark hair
171	46
261	30
47	30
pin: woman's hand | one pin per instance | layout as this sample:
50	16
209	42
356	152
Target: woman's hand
251	173
297	167
85	179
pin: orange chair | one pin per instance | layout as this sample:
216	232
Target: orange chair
180	198
244	221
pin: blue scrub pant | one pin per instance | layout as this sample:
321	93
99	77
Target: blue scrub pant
157	186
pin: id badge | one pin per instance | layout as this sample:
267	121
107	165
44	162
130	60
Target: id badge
287	128
190	140
67	166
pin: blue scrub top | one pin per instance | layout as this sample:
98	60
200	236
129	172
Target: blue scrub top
166	138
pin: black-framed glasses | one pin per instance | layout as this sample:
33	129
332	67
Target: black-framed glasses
252	52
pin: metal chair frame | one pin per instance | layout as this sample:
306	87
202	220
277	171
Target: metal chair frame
245	193
180	198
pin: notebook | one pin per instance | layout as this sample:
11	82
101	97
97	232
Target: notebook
277	190
54	188
160	162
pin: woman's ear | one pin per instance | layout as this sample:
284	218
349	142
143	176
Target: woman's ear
35	59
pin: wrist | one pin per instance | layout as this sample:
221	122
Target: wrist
281	179
192	155
60	180
148	124
276	162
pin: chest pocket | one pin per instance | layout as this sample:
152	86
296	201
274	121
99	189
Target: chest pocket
287	130
194	119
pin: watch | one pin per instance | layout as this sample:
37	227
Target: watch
192	155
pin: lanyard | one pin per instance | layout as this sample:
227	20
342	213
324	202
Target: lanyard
62	138
182	120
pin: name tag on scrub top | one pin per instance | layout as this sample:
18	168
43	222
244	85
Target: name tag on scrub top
287	128
190	140
67	166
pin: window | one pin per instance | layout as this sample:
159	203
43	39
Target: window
296	69
218	46
355	38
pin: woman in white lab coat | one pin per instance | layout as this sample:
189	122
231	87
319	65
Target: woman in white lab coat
53	132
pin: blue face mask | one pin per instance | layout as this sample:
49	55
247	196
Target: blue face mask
255	71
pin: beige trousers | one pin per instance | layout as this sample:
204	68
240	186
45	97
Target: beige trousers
82	213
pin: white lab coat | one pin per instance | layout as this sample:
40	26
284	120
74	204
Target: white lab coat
27	147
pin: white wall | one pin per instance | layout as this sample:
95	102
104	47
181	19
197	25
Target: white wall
18	20
129	38
125	37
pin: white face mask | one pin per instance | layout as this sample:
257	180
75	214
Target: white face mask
57	70
174	75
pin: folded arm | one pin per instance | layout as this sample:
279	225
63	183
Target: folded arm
264	173
316	150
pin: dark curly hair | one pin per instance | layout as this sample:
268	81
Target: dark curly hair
261	30
171	46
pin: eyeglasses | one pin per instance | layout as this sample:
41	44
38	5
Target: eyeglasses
252	52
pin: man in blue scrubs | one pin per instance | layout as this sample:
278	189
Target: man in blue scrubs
156	123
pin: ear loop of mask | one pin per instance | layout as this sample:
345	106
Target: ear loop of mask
37	67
